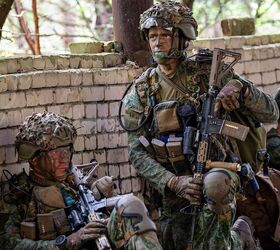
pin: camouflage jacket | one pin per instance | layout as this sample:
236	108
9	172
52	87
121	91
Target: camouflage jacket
193	77
273	148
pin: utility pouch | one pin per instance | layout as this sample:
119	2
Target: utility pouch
45	225
28	229
166	119
60	221
160	150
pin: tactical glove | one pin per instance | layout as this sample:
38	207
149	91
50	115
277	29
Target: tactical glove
188	188
229	96
91	231
103	186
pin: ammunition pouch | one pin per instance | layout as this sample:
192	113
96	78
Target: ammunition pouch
165	117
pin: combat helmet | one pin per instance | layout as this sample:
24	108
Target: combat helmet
170	15
43	132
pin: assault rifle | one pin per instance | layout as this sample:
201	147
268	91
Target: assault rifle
87	208
209	123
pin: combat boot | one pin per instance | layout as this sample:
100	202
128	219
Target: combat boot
245	229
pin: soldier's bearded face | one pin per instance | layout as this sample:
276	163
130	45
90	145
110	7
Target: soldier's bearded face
160	41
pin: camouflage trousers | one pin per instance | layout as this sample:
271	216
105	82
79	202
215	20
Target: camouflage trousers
212	231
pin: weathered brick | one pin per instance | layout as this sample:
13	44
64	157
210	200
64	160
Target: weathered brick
87	157
39	109
106	125
16	168
202	43
11	81
269	77
270	89
239	68
26	112
87	127
77	158
90	94
24	81
269	64
112	59
110	76
87	78
266	52
39	63
124	171
76	78
79	144
102	110
125	186
75	62
114	170
12	100
51	78
14	118
10	155
133	171
102	170
133	73
247	54
86	62
118	155
114	108
78	111
234	42
90	142
278	75
63	62
102	141
26	64
64	79
32	99
91	110
252	67
217	43
39	80
3	67
13	65
7	136
3	84
2	155
50	62
4	119
114	92
66	110
45	96
256	78
64	95
54	109
100	156
136	184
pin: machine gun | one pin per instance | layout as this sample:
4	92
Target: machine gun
87	208
209	124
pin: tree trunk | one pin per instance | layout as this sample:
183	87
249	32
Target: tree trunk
5	7
126	15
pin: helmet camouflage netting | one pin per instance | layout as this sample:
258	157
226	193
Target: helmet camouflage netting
277	98
169	14
44	131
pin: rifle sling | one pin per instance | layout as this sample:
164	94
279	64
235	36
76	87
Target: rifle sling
170	82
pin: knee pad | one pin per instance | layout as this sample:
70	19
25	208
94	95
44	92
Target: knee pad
133	208
219	191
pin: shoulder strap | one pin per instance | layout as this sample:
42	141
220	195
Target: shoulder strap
171	83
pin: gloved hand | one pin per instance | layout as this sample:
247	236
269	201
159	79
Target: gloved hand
91	231
103	186
188	188
228	97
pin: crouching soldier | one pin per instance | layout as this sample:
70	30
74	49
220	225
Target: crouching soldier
45	210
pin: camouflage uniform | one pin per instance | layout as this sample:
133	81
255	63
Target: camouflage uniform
273	148
39	133
212	231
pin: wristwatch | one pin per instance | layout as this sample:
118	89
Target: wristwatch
60	242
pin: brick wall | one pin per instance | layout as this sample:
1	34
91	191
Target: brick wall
88	88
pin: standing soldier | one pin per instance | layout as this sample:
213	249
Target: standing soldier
35	208
155	106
